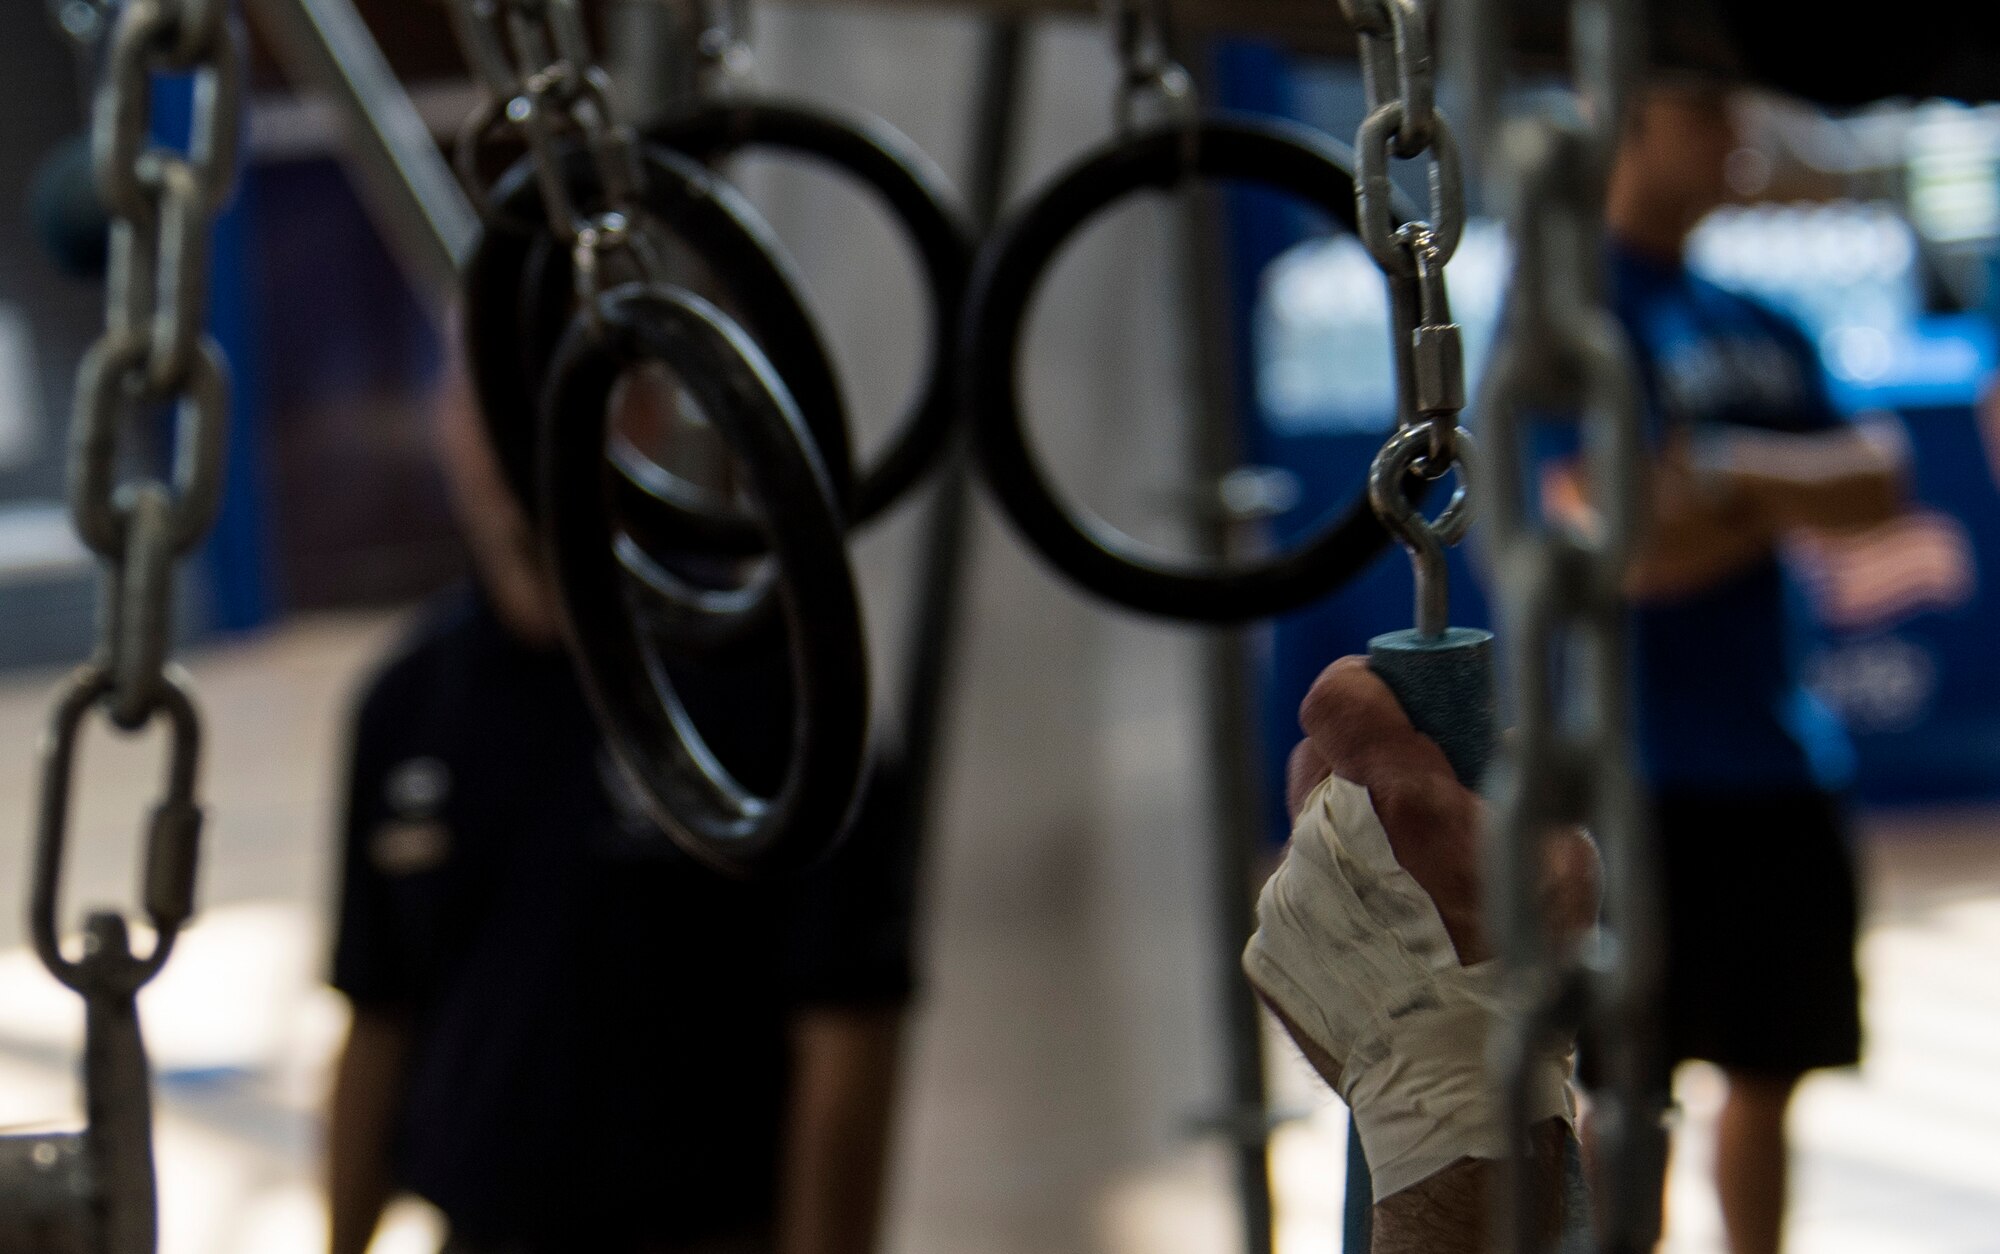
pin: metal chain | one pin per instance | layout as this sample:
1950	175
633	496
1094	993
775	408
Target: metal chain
725	59
82	22
154	358
1561	358
1399	75
83	25
1148	74
535	61
155	351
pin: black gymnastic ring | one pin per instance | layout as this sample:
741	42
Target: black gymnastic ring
1277	154
520	294
687	790
919	198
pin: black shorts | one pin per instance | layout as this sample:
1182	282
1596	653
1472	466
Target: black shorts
1762	914
752	1241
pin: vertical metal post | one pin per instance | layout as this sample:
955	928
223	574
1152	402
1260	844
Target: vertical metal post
946	560
1229	708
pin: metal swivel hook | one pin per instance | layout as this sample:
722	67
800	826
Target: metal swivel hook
723	49
1152	82
1408	451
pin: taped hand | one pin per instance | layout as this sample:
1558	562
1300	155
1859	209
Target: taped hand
1370	946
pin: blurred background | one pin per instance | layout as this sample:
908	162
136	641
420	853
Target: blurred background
1068	1075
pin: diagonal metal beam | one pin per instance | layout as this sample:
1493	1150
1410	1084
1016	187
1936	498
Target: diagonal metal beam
325	47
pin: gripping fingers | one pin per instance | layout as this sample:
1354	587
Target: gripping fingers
1361	731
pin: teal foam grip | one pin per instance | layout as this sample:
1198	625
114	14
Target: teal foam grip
1445	684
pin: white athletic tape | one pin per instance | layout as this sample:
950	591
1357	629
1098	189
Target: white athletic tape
1353	951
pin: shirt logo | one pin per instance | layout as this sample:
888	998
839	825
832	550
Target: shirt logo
414	840
417	788
1712	376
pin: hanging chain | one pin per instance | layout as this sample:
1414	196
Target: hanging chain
95	1188
82	24
1149	77
1399	75
725	59
155	352
1561	358
535	61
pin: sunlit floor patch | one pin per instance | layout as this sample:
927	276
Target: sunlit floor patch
1903	1155
229	1000
241	1032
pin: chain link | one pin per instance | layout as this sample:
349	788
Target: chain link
171	847
725	59
1148	74
535	61
82	22
154	358
1561	358
83	25
1398	70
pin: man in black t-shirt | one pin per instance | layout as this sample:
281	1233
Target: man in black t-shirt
567	1035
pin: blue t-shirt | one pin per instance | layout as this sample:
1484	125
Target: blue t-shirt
1720	705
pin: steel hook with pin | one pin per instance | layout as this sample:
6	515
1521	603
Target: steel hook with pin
1443	675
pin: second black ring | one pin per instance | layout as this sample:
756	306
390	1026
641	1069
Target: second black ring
691	794
1259	151
520	294
919	198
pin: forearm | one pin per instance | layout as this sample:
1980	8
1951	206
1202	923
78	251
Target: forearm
361	1116
1833	482
837	1140
1691	545
1452	1212
1696	532
1846	502
1720	504
1449	1213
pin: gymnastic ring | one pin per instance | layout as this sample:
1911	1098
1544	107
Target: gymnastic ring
919	199
520	294
1261	151
519	297
698	618
689	793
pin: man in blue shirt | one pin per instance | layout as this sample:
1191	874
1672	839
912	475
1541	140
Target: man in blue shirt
1745	768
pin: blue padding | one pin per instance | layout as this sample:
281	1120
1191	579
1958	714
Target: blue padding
1446	687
